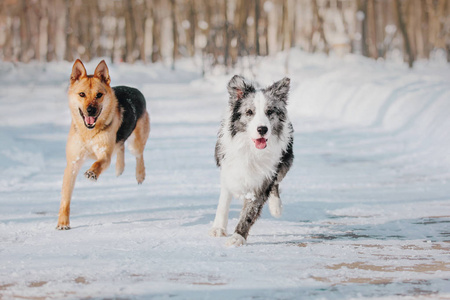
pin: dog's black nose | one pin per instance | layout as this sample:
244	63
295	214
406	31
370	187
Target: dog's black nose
91	110
262	130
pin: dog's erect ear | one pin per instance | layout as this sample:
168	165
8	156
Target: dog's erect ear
102	72
239	87
280	89
78	71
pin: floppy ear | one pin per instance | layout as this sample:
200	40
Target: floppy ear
239	87
78	71
280	89
102	72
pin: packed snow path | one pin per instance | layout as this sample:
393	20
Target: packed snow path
366	207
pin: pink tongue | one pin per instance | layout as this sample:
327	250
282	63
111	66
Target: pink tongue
89	120
260	143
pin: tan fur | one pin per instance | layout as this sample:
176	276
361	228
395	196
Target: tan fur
98	143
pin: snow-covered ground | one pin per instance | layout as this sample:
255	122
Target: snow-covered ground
366	204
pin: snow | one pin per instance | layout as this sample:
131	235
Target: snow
366	207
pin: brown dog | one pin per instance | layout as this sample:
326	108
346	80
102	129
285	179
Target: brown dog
103	117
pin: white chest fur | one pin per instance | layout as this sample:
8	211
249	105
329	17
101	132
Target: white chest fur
245	167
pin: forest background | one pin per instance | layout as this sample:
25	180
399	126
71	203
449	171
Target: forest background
221	32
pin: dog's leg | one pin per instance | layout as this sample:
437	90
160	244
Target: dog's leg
74	164
249	214
275	205
120	163
102	163
221	220
137	145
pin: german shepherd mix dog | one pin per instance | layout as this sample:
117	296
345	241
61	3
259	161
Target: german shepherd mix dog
103	118
254	152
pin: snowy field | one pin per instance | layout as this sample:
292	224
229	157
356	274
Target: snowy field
366	204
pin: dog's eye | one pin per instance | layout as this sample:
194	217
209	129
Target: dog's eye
269	112
99	95
249	112
82	95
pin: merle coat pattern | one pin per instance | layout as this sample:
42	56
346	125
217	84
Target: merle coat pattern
254	152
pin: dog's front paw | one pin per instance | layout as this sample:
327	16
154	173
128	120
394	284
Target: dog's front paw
217	232
63	222
90	175
62	227
236	240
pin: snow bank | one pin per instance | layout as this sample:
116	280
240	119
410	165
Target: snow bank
412	104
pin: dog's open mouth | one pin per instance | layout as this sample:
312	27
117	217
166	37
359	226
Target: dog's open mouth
260	143
89	121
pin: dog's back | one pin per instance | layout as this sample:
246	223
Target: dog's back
132	105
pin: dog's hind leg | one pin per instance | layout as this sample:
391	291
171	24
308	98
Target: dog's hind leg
275	205
137	145
221	220
120	162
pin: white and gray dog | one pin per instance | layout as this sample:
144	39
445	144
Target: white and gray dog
254	152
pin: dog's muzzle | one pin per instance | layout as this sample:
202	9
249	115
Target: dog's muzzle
261	143
91	118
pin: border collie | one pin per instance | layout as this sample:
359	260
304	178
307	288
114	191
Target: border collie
254	153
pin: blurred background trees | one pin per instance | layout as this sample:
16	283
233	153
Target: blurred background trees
220	31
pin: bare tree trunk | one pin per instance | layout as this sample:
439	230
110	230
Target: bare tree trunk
7	45
241	14
146	30
284	17
362	7
436	11
402	27
156	32
51	29
192	28
425	28
320	25
411	24
34	14
257	18
116	47
227	36
293	33
372	32
24	33
95	19
447	34
266	33
173	15
138	16
381	24
441	9
130	32
84	35
68	30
